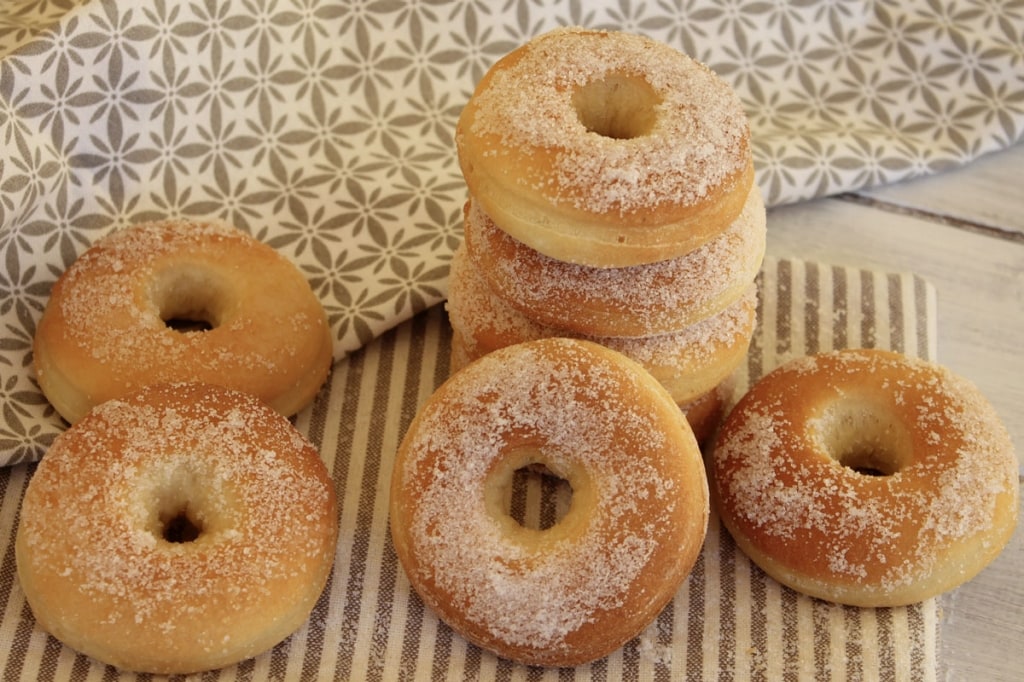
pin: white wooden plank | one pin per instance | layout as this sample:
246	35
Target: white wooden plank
987	192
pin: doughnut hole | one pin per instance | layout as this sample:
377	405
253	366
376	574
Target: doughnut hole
179	526
620	107
865	437
533	495
181	505
189	299
538	498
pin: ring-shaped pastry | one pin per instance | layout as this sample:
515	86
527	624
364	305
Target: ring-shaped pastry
640	300
181	528
866	477
688	363
578	590
605	148
179	301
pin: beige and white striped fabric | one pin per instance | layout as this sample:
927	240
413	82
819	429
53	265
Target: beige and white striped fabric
728	622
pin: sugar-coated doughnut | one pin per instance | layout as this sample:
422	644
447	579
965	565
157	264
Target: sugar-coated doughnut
704	413
459	356
640	300
178	529
577	590
865	477
688	363
110	324
605	148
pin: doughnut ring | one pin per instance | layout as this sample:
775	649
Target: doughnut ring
605	148
865	477
181	301
580	589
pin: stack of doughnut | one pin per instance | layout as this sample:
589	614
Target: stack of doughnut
181	523
611	200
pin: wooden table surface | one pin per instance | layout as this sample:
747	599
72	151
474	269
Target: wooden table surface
964	232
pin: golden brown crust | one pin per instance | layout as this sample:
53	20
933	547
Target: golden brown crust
105	333
865	477
459	356
641	300
605	148
688	363
179	529
704	413
576	591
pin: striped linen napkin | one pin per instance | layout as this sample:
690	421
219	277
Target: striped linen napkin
728	622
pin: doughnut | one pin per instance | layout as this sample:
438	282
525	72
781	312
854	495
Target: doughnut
688	363
865	477
640	300
459	356
605	148
704	413
579	589
177	301
181	528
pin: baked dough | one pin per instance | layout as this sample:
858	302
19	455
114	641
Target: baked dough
605	148
641	300
109	326
578	590
182	528
688	363
865	477
704	413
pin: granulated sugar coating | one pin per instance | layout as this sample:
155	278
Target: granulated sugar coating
181	528
641	300
866	477
695	144
688	363
605	148
578	590
109	325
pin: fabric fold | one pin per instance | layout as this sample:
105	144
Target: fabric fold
326	128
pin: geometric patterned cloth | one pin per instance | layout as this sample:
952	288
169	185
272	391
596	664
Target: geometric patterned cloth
325	127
